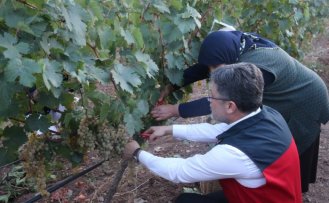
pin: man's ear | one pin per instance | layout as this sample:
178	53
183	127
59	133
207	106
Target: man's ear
231	107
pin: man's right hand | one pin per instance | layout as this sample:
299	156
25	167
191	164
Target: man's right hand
158	131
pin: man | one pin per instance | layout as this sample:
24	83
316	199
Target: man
255	159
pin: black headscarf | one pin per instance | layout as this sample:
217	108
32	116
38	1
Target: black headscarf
225	47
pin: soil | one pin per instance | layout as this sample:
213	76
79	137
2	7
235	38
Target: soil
138	185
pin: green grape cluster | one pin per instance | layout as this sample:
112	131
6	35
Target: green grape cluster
95	134
110	141
32	155
86	130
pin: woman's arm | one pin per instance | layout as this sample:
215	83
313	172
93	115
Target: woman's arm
194	108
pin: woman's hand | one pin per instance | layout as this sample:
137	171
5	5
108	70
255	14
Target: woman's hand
163	112
165	92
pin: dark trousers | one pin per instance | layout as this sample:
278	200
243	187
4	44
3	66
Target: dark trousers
214	197
308	164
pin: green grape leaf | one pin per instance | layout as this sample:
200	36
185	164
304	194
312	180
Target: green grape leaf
126	77
13	50
67	153
171	32
138	37
298	15
22	69
51	74
106	35
184	25
13	137
105	109
133	123
151	67
177	4
97	73
36	122
7	90
47	99
174	75
142	108
174	61
74	23
161	6
127	36
192	13
97	10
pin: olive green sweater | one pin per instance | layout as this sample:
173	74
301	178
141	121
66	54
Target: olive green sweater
297	92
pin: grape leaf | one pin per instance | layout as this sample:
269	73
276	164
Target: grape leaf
138	37
161	6
142	108
151	67
106	35
51	73
14	137
97	73
13	50
184	25
175	76
174	61
126	77
36	122
177	4
133	123
74	23
192	12
22	69
127	36
104	111
7	90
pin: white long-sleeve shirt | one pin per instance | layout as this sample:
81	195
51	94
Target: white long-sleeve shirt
222	161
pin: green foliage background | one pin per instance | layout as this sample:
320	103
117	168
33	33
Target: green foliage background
132	45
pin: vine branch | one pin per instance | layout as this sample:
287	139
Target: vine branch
110	193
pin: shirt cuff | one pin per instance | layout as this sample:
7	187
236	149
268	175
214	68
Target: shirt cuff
179	131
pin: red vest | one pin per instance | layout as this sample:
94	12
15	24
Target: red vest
281	186
265	138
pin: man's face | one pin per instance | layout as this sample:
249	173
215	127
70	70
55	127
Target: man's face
217	105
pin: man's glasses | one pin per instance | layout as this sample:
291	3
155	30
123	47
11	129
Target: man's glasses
223	99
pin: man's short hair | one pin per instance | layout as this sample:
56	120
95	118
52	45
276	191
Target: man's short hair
242	83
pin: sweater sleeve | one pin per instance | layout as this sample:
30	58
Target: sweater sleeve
195	73
194	108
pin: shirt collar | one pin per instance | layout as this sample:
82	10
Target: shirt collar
244	118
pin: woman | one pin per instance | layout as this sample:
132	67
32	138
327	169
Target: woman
294	90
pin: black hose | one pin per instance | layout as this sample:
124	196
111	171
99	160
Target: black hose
14	162
64	182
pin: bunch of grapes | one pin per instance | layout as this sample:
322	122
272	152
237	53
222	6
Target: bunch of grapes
87	127
111	142
103	140
32	155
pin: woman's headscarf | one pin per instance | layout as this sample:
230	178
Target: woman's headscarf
225	47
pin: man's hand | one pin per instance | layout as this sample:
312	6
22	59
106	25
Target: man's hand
163	112
158	131
130	148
